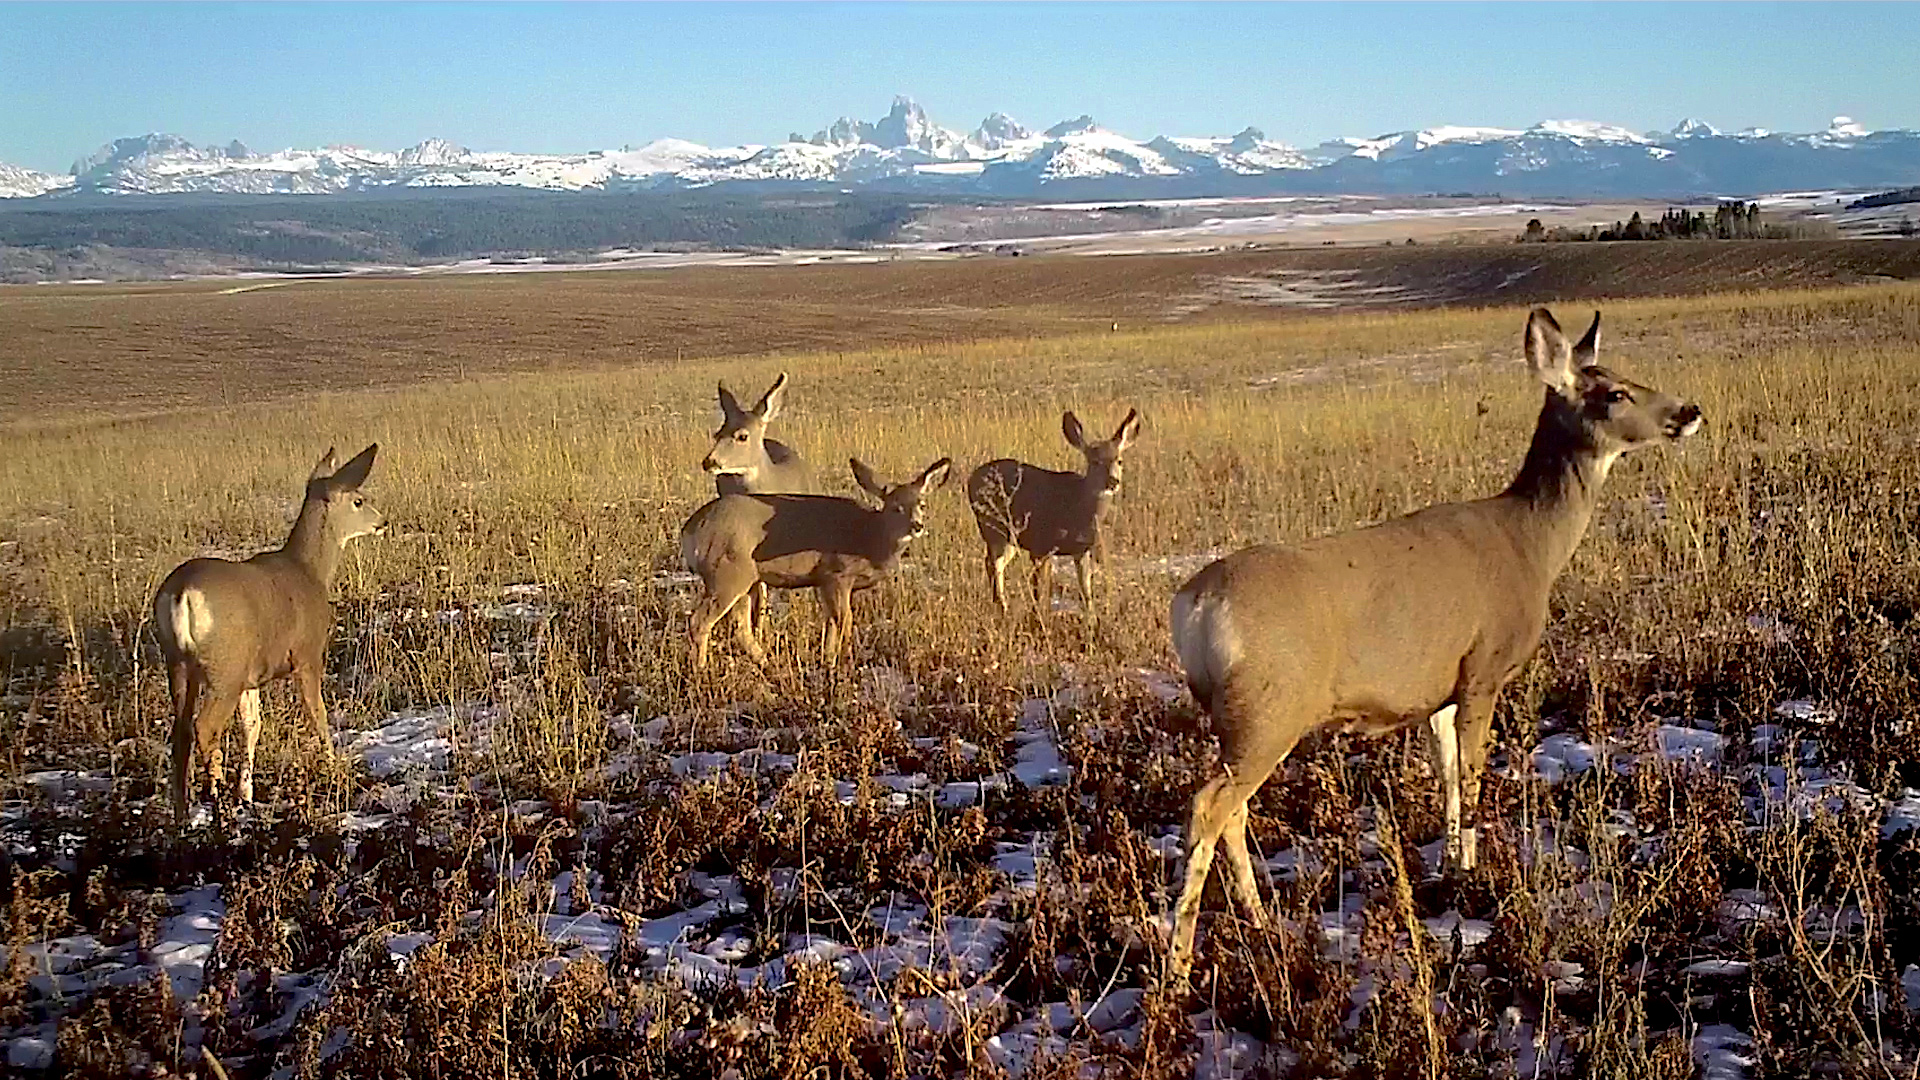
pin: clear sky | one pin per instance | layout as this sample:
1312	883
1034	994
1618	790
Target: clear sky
559	77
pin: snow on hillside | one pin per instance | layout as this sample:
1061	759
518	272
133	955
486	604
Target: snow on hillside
907	149
19	183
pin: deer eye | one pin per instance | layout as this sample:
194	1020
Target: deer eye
739	436
1614	397
359	500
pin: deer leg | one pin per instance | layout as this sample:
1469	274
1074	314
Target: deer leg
745	615
209	729
1083	569
705	614
1042	580
759	604
249	738
186	687
836	609
1213	812
1443	742
843	613
997	560
1220	805
315	706
1475	723
725	588
1246	884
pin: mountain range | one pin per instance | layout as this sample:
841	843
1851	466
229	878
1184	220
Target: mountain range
905	151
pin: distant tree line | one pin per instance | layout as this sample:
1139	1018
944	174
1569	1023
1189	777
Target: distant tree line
405	228
1886	198
1734	220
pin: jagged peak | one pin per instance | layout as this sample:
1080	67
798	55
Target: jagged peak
1248	138
1079	125
433	152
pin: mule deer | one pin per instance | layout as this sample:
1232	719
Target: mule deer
1422	617
226	628
1046	513
743	461
832	545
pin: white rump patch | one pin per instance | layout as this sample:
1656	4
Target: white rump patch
190	619
1205	638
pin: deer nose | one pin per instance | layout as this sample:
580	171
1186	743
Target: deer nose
1685	421
709	464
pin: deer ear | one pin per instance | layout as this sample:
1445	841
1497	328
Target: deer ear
730	409
1070	427
1587	352
769	406
1130	427
327	466
937	475
868	482
1548	353
354	473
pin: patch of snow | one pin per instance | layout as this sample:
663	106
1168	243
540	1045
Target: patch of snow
1689	745
1723	968
1723	1052
1588	129
1903	814
1472	932
1560	756
187	938
1017	1052
1807	712
1225	1054
33	1050
592	931
414	740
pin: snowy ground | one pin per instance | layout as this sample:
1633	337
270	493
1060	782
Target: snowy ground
437	757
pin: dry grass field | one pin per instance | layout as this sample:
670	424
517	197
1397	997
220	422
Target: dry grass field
85	351
552	850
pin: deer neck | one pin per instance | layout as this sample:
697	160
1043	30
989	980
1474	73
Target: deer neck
1093	494
311	546
1557	488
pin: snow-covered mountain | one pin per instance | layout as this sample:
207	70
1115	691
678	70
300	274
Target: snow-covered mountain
19	183
905	150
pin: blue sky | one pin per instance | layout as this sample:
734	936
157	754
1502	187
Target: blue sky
553	77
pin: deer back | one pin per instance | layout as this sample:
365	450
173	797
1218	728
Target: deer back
1047	511
254	620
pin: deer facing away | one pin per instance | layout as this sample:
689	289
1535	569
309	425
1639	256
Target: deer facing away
1422	617
1021	507
832	545
227	628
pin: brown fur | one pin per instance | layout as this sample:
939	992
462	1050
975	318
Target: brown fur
1046	513
1424	617
832	545
743	461
228	628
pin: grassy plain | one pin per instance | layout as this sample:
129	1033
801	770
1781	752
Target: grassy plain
91	351
1754	900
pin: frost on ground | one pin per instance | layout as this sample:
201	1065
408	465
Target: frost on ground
909	963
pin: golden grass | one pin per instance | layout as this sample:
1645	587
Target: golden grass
85	352
1775	555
